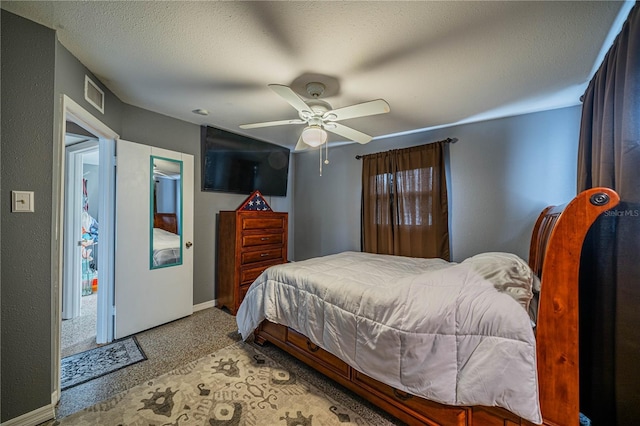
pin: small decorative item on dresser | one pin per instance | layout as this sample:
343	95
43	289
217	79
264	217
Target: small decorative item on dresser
250	239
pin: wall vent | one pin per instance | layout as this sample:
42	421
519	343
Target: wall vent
93	94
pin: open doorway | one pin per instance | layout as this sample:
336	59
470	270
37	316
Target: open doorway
82	237
67	247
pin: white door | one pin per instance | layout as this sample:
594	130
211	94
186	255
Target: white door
153	285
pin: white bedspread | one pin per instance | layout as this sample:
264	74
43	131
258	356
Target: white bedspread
431	328
164	239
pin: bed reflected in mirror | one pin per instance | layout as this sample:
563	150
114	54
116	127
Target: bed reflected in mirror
166	212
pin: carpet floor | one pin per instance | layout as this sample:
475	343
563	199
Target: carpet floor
237	385
184	341
79	334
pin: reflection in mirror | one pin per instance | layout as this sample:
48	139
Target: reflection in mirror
166	212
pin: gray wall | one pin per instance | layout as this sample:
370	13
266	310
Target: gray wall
502	174
28	59
69	75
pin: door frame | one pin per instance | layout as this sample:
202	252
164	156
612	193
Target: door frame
72	111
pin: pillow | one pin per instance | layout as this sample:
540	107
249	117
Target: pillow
533	308
535	300
509	274
536	284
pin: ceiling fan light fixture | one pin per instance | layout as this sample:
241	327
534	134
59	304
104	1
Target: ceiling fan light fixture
314	135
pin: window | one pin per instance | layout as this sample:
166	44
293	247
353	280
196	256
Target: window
404	209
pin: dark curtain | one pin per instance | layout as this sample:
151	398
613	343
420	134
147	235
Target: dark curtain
609	155
404	202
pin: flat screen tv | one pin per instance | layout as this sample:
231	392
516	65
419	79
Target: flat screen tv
240	164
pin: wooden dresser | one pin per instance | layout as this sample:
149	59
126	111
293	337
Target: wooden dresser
248	243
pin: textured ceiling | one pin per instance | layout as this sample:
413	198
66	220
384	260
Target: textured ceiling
435	63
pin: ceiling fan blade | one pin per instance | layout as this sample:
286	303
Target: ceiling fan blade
272	123
348	132
290	96
378	106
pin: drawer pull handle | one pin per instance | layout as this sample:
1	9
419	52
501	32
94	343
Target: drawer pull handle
264	238
312	347
403	396
264	254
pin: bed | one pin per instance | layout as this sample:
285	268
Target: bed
438	343
166	248
166	241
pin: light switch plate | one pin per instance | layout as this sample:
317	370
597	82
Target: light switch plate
22	201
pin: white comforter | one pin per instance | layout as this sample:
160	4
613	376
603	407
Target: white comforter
164	239
431	328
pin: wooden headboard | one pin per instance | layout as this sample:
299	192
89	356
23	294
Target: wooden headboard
556	246
166	221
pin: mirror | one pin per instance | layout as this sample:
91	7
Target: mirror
166	212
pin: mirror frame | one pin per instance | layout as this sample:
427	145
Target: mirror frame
180	190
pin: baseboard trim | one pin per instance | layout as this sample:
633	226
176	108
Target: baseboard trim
34	417
205	305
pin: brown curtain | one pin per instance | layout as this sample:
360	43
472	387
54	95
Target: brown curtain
404	202
609	155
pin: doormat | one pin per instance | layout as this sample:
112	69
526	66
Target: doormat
97	362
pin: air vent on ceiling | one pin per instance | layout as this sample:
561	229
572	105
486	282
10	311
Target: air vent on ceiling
93	94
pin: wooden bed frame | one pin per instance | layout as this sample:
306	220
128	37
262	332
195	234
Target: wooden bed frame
555	250
166	221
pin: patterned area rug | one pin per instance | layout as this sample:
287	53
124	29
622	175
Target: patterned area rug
88	365
237	385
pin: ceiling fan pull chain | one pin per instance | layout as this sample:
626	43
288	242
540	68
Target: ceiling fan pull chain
326	155
320	150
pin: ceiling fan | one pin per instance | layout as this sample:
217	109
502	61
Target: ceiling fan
320	117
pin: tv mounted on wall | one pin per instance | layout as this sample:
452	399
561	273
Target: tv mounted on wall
240	164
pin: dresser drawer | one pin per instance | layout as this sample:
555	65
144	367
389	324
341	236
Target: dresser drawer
262	223
253	240
254	256
248	274
318	354
442	414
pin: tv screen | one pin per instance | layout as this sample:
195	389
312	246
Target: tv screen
240	164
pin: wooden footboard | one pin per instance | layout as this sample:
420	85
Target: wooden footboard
556	246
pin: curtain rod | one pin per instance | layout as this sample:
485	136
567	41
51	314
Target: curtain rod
447	140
